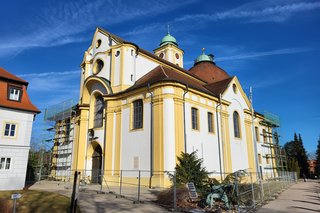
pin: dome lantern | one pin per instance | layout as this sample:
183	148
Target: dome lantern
204	57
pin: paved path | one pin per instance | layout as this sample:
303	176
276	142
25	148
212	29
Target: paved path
299	198
91	202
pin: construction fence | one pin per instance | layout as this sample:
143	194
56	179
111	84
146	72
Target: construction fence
244	191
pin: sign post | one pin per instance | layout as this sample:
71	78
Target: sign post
14	197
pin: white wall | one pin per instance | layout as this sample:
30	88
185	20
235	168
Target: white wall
239	153
16	148
135	142
205	143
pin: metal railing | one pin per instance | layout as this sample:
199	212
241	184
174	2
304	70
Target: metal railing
140	186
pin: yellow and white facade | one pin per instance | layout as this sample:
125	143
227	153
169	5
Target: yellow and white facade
179	111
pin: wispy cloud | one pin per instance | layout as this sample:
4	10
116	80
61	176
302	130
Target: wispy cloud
253	55
64	23
258	11
253	12
45	74
53	81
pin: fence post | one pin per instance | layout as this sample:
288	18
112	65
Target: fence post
120	191
73	205
174	191
139	179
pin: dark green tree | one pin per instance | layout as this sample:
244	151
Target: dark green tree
189	169
303	159
296	154
317	169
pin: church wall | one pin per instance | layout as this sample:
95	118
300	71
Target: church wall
135	143
202	141
144	65
239	153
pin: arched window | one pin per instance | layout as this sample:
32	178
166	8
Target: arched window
98	112
137	114
236	124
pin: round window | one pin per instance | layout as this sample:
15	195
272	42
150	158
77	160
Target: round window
98	43
177	55
234	87
98	65
161	55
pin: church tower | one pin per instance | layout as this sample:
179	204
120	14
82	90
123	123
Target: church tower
169	50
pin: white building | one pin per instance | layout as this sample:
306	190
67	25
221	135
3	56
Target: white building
16	118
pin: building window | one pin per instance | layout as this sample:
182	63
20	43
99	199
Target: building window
236	124
137	114
5	163
210	122
98	112
194	118
10	130
259	158
98	66
267	159
264	133
14	94
256	129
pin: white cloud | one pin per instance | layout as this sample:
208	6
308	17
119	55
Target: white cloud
63	23
257	11
252	55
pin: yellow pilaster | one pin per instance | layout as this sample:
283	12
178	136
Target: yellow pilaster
250	145
118	141
227	163
109	140
158	138
179	131
82	140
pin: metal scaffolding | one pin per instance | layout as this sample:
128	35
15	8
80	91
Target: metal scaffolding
271	141
61	123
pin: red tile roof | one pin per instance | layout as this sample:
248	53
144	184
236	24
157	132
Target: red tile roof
165	74
4	74
24	104
209	72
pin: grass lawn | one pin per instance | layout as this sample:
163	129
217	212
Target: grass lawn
34	202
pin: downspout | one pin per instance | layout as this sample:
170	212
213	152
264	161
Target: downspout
151	135
184	118
218	134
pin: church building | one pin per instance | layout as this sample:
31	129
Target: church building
140	110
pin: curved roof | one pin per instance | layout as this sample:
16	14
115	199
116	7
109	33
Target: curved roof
168	39
208	71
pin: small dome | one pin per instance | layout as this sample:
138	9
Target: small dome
168	39
204	57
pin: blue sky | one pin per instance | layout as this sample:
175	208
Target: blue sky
273	46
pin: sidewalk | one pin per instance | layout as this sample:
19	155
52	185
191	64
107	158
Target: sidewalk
92	202
299	198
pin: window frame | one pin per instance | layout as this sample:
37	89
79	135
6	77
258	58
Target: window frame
15	88
264	134
210	122
194	118
4	164
137	114
98	108
9	130
236	125
257	134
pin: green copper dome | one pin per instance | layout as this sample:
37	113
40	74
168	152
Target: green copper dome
168	39
203	57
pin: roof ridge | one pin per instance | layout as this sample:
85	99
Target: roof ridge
164	71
